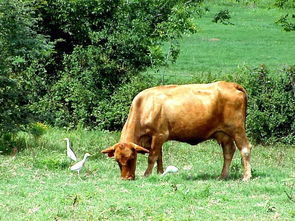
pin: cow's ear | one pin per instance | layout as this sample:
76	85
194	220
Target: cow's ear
110	151
139	149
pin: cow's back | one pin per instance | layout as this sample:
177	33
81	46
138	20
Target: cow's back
189	113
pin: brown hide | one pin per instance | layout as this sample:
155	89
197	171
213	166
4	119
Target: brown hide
187	113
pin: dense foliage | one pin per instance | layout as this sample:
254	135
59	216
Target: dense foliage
285	3
22	51
271	106
76	62
66	56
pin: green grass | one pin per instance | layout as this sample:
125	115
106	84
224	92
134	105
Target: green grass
36	184
254	39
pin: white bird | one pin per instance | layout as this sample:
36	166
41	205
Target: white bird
78	166
70	152
170	169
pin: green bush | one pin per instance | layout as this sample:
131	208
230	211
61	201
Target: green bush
37	129
112	113
99	44
285	3
287	23
64	57
21	48
77	101
6	142
11	114
223	17
271	106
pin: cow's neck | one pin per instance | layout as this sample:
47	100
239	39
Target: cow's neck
128	138
129	134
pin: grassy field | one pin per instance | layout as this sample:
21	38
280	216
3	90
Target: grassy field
253	39
36	184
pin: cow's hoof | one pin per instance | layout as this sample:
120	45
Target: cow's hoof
222	177
246	179
146	174
160	172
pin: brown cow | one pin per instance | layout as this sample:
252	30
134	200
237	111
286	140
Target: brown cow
187	113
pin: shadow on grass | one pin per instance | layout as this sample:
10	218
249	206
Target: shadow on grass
51	164
234	176
204	176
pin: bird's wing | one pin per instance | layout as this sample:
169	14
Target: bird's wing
71	154
77	165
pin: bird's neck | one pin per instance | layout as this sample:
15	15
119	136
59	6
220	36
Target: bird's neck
85	157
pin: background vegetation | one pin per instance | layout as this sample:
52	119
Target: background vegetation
69	63
67	56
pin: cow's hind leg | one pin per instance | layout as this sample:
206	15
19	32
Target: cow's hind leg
155	155
229	149
245	148
160	168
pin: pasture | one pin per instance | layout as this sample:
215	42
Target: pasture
252	40
37	184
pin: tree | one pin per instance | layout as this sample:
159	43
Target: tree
102	43
63	57
21	48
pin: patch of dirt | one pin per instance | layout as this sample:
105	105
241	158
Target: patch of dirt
213	39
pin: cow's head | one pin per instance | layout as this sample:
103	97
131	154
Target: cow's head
125	154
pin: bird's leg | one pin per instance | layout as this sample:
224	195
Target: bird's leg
79	174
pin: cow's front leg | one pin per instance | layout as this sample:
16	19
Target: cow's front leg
155	155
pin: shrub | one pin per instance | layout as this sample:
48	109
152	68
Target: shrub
112	113
63	57
285	3
99	44
37	129
21	48
11	115
287	23
6	142
271	104
223	17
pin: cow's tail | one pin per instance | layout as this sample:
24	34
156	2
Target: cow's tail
240	88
